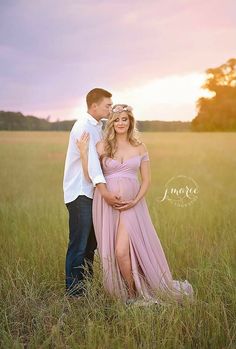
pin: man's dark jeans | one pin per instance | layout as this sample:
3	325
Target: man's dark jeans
81	246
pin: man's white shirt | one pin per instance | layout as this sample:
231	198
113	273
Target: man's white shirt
74	182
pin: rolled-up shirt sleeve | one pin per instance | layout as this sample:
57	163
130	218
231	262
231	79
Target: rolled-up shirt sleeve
94	166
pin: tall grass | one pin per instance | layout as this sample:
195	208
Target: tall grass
199	241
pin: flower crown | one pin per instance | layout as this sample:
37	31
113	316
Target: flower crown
120	108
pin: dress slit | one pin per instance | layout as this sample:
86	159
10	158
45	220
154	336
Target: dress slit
151	273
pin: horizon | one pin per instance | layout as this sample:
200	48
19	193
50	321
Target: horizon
104	119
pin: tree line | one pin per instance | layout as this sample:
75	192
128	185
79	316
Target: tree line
17	121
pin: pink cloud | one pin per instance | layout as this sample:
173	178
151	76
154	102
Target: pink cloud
52	53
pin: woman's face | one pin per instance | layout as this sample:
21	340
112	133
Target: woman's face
121	123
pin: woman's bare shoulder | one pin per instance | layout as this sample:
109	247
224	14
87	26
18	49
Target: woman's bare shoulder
142	149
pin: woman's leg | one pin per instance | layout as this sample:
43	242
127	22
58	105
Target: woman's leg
123	258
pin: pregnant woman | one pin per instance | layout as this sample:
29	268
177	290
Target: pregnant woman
133	261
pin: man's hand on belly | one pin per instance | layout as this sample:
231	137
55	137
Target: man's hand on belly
111	199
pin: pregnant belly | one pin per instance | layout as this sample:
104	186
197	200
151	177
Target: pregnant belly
126	188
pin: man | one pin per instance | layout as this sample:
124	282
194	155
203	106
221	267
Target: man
78	191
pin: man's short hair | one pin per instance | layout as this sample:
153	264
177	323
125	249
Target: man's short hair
96	95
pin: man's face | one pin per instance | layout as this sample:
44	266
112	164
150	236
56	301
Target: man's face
103	108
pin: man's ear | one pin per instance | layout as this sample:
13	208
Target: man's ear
94	105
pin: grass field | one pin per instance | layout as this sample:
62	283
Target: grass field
199	241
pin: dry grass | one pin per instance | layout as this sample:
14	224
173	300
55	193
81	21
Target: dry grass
199	241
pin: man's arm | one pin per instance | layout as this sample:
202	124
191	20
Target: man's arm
97	177
110	198
94	166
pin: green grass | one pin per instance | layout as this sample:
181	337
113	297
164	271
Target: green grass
199	241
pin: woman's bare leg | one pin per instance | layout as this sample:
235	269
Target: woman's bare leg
123	258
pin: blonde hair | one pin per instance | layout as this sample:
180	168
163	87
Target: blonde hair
110	143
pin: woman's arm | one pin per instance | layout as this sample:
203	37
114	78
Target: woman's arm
82	144
145	179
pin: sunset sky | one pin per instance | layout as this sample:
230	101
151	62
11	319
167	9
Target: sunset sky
150	54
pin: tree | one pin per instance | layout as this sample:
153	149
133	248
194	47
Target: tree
219	112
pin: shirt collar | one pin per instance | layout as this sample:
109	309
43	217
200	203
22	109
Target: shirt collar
93	121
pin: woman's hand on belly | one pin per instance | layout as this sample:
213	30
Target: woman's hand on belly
129	204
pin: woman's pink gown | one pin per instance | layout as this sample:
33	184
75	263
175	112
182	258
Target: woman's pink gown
150	269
